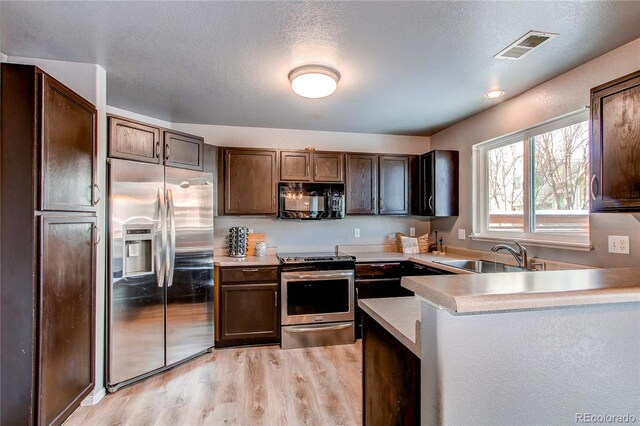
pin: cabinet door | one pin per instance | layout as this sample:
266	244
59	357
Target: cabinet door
615	145
394	184
183	151
328	167
131	140
362	184
67	309
295	166
250	177
427	173
68	147
249	312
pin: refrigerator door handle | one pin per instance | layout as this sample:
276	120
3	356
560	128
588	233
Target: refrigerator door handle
159	258
171	252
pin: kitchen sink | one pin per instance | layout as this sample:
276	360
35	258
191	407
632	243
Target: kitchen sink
482	266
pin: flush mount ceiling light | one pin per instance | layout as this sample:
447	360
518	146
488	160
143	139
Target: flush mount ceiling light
314	81
492	94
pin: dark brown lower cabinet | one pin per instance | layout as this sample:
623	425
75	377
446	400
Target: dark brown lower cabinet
248	306
66	349
390	379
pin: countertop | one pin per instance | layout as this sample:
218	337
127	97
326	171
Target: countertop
400	316
269	260
424	259
486	293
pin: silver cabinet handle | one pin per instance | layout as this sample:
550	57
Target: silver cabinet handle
160	252
167	151
250	270
320	276
98	236
593	180
99	194
273	202
430	200
328	328
157	149
315	170
307	175
275	298
171	260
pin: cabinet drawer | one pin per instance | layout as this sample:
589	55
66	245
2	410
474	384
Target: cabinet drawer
379	270
249	275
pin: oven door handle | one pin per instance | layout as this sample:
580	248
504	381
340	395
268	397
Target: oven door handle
306	329
294	275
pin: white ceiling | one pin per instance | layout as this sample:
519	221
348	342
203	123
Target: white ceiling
407	67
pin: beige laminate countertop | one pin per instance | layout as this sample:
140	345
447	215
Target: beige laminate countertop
269	260
424	259
400	316
485	293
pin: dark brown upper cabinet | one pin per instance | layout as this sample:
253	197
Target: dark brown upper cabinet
184	151
295	166
311	166
362	184
328	166
132	140
249	181
394	185
68	164
615	145
439	183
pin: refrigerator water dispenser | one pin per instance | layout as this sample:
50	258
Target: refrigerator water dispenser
138	250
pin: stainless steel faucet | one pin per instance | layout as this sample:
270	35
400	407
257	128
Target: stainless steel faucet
520	256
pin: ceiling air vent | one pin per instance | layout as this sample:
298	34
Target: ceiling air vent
524	45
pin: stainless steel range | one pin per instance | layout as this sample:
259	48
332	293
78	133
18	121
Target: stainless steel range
318	300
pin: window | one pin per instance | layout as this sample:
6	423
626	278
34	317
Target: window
532	185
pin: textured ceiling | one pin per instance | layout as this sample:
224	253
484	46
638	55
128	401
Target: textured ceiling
407	67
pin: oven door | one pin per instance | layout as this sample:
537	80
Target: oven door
317	296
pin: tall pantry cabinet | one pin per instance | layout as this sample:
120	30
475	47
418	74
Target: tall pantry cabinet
48	234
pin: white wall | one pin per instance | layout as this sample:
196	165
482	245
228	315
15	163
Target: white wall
3	57
299	139
563	94
90	82
530	367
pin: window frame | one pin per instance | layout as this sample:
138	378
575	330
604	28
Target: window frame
481	229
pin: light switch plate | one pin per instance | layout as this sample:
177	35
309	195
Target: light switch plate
356	232
619	244
412	232
462	234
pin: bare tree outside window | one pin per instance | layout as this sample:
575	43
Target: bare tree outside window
505	173
561	178
559	183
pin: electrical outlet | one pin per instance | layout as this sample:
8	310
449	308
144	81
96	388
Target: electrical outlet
251	231
412	232
619	244
462	234
356	232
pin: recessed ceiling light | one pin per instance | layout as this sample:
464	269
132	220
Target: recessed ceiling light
492	94
314	81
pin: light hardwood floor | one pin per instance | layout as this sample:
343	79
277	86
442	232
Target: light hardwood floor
243	386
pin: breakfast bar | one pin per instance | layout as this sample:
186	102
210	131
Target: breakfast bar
544	347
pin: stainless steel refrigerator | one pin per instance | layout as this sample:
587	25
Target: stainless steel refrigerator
160	297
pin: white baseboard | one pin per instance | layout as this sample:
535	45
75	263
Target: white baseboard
94	397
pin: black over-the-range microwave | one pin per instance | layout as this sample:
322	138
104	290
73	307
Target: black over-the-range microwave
302	200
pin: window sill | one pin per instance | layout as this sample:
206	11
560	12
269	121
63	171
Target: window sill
564	245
